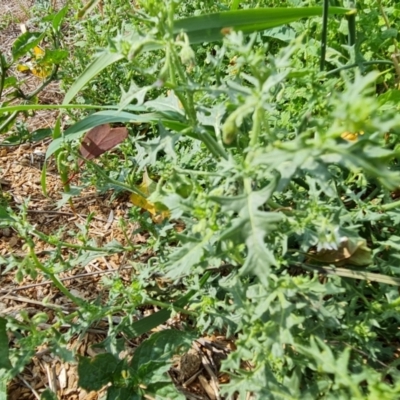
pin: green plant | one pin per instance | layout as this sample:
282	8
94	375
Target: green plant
282	175
44	64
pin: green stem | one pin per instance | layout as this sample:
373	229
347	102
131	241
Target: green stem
45	83
351	22
255	131
334	71
389	206
324	34
187	100
57	283
8	121
167	305
60	243
3	70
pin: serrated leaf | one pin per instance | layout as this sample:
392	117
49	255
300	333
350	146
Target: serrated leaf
134	92
166	103
250	227
165	141
207	28
182	260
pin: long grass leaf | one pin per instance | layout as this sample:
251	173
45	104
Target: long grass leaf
210	27
100	63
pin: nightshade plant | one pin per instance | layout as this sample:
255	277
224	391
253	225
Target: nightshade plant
283	177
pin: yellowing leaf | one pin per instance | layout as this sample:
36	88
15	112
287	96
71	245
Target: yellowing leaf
38	52
148	186
351	136
23	68
348	252
41	70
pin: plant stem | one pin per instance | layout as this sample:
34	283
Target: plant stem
324	34
396	48
57	283
351	21
3	70
334	71
389	206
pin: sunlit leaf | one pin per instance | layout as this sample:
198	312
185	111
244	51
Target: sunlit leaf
351	136
212	27
148	186
251	226
25	43
25	68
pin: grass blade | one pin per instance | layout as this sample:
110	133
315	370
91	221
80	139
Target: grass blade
207	28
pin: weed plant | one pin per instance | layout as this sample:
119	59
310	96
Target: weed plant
283	177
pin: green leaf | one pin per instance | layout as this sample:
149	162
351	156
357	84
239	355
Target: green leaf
152	358
48	395
146	324
96	372
29	107
251	226
53	56
26	42
209	27
117	393
40	134
5	215
3	385
59	17
182	260
3	388
10	81
100	63
134	93
5	362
